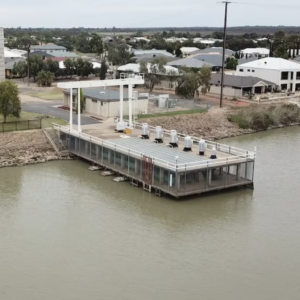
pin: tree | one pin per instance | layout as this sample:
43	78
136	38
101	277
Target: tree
83	68
44	78
178	52
69	67
96	44
10	104
154	72
231	63
53	67
36	64
20	69
103	69
83	43
189	83
25	43
118	55
281	51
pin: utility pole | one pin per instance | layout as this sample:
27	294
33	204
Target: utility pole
223	55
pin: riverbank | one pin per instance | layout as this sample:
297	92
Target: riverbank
221	123
26	147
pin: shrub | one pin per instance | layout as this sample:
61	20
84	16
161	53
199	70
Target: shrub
44	78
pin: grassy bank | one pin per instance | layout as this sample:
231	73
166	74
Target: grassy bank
53	94
172	113
262	117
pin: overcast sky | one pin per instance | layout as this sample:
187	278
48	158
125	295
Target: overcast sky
145	13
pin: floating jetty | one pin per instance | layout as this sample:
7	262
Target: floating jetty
163	161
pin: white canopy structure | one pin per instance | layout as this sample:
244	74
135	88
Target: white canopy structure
126	80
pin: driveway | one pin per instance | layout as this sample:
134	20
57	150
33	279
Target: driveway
46	108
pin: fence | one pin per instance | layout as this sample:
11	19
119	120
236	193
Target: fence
21	125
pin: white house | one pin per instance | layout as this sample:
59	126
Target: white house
284	73
256	52
186	51
135	68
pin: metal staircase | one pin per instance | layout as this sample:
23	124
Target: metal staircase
55	141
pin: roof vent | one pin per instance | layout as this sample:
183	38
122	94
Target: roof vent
265	62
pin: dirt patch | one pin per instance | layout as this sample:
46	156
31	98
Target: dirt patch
212	125
26	147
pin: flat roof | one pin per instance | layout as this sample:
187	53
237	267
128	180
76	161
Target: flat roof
160	151
108	95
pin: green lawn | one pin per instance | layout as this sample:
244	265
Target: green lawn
14	124
173	113
54	94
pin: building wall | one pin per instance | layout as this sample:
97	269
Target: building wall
271	75
2	64
227	91
108	109
112	109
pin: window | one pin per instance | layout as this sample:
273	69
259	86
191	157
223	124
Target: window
253	71
292	75
241	70
284	75
248	70
298	75
101	103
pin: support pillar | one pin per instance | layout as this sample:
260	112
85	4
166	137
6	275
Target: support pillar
238	172
121	103
209	177
161	176
130	104
79	109
71	109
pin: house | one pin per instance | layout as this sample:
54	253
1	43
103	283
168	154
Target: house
138	52
284	73
55	55
150	57
237	86
49	48
255	52
186	51
9	64
105	102
189	62
135	68
213	50
175	39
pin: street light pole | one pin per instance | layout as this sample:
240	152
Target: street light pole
223	54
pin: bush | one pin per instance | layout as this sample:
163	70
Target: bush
262	117
44	78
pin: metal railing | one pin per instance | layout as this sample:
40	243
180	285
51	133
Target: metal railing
239	155
21	125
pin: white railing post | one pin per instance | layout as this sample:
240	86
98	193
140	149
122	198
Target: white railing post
71	108
79	109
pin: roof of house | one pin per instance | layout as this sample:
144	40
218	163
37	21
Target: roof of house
49	47
263	51
10	64
246	60
41	53
135	68
10	53
189	62
213	59
188	49
153	51
101	94
214	50
272	63
63	54
151	57
238	81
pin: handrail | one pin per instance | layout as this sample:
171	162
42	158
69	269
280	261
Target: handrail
158	161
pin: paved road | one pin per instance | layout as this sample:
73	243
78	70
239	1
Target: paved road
46	108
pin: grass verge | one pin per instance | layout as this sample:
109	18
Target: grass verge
54	94
172	113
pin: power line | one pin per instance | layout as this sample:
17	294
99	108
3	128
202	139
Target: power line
223	54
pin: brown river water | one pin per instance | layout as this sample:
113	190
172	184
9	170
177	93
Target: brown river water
67	233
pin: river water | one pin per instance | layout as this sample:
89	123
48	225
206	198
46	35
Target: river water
67	233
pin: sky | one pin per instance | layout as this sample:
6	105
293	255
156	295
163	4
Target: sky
145	13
